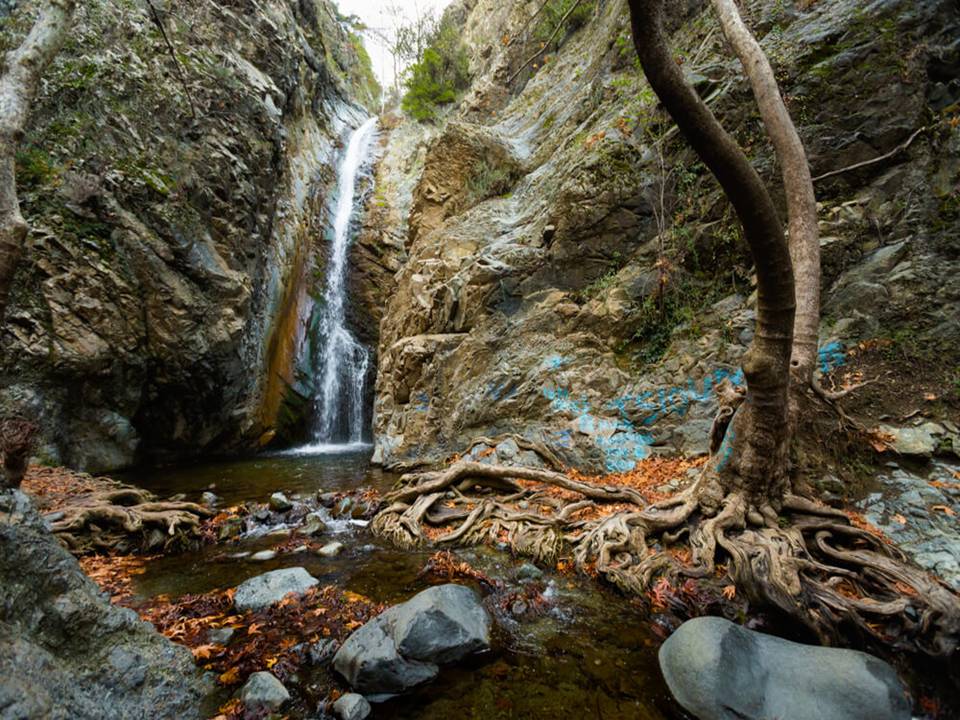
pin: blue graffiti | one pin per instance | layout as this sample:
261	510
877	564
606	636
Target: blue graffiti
660	403
831	356
555	362
623	450
503	391
561	401
726	449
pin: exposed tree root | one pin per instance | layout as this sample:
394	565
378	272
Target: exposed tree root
806	559
104	516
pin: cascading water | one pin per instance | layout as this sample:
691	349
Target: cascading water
343	362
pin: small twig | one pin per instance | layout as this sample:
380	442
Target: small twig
903	146
560	25
158	21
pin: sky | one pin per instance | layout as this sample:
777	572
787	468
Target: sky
371	12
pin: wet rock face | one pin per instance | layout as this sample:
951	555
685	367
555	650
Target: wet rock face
717	670
918	508
65	651
164	247
533	306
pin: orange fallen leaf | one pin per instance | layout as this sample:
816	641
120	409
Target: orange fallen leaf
204	652
253	629
730	592
230	677
898	518
945	509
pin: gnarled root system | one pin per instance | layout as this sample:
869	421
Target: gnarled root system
810	561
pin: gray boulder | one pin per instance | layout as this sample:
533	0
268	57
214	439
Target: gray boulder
264	590
351	707
263	690
402	647
441	625
719	671
370	662
67	653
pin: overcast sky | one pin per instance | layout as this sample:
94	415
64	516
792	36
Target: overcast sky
372	13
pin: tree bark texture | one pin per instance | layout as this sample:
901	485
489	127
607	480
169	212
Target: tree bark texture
18	89
797	184
753	454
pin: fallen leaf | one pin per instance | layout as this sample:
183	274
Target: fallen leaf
730	592
945	509
898	518
230	677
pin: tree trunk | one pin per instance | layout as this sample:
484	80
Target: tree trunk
753	455
18	89
797	184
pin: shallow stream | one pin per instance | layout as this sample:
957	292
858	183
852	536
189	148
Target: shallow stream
591	654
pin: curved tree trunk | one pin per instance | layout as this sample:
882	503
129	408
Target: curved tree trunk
797	184
18	89
754	451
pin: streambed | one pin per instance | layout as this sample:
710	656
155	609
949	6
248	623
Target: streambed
591	654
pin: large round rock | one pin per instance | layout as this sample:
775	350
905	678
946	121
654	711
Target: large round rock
718	670
264	590
402	647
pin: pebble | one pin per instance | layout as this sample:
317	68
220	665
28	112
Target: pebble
330	549
263	555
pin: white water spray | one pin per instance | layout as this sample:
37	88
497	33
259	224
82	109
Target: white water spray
343	362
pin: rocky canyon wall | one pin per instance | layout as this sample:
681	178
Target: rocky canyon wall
575	276
173	206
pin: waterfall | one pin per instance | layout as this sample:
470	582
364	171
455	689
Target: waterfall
342	362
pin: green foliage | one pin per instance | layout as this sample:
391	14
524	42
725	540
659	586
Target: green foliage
34	168
438	76
487	181
553	15
368	87
682	302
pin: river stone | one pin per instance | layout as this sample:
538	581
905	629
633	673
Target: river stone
442	624
718	670
369	660
263	555
331	549
351	707
313	524
263	690
264	590
401	648
280	502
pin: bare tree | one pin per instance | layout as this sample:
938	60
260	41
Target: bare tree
797	184
18	89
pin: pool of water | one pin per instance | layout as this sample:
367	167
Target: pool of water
590	655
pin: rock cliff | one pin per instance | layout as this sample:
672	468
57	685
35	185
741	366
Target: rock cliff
174	204
576	276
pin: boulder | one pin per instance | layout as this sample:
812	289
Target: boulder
403	646
918	441
264	590
370	662
718	670
66	652
263	690
441	625
351	707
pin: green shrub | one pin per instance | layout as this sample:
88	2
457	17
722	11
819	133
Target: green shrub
554	13
437	77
